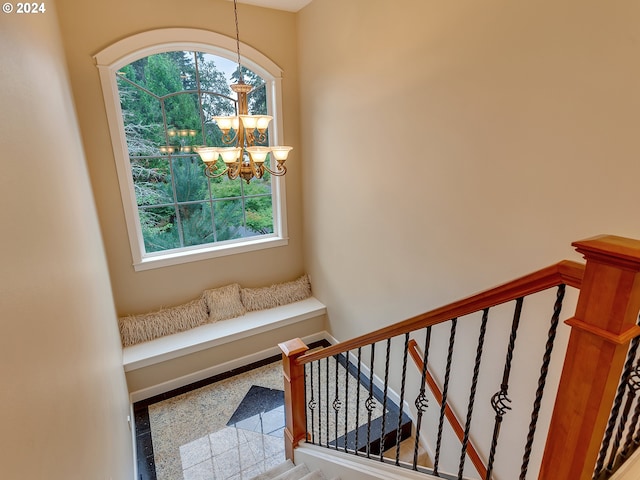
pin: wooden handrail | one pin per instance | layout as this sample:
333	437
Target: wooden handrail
448	412
564	272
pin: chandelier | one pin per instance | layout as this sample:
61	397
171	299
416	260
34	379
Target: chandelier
243	156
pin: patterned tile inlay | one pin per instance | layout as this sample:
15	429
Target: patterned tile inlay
191	439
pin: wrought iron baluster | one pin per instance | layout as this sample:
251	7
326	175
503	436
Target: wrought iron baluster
626	449
546	359
445	388
615	409
472	394
633	387
337	403
312	402
358	386
326	384
346	399
500	400
402	392
421	402
319	402
384	399
370	403
306	402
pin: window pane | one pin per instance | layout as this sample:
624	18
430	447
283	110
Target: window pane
190	181
225	188
197	228
228	216
259	215
182	112
152	181
162	73
158	228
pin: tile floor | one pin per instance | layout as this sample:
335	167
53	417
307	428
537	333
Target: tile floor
228	427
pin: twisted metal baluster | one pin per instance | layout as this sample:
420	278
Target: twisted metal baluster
633	387
319	402
615	409
312	404
635	379
384	399
422	402
370	403
499	400
546	359
326	385
346	399
402	391
337	403
306	402
358	384
472	393
445	388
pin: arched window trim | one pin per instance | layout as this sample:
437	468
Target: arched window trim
141	45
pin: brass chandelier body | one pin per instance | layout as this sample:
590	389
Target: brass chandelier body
243	156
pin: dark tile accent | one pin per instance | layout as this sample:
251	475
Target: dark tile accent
261	410
257	400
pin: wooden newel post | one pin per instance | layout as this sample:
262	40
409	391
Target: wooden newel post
295	425
604	324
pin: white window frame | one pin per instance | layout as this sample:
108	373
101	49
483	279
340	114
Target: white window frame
110	60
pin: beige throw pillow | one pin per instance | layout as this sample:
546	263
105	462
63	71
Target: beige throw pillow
276	295
224	302
148	326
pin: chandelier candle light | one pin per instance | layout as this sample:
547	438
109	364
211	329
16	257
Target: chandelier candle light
243	157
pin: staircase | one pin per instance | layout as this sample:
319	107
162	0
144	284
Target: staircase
573	442
289	471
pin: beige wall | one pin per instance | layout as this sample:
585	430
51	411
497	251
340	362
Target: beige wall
64	403
475	141
88	27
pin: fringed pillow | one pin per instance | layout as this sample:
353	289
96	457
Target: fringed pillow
224	302
148	326
276	295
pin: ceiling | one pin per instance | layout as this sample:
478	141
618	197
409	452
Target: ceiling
289	5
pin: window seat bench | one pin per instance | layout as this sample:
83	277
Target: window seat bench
218	333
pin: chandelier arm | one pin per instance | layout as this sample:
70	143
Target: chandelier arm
262	137
228	139
279	172
208	171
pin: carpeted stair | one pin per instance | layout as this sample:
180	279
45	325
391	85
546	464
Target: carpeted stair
289	471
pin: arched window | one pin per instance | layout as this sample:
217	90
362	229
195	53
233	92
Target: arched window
160	98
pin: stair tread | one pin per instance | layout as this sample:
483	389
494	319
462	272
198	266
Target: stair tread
315	475
295	473
275	471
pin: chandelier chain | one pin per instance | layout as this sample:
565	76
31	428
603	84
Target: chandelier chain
235	13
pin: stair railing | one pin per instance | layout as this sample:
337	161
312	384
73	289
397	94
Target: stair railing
602	327
461	432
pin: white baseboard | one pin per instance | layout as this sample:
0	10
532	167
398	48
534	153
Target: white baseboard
149	392
348	466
